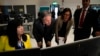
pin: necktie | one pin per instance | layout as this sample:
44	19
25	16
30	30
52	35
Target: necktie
82	18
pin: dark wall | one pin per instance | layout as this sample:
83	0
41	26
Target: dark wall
31	10
5	9
19	9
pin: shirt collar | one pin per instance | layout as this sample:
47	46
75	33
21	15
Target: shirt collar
86	8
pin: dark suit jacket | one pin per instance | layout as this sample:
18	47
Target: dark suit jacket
39	30
98	20
90	21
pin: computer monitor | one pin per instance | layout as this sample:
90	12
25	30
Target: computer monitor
61	50
85	47
90	47
22	52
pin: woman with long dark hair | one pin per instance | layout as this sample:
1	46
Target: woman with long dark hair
15	37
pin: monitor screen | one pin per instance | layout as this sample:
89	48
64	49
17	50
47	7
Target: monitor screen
86	47
22	52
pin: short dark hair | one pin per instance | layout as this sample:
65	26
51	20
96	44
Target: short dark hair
87	0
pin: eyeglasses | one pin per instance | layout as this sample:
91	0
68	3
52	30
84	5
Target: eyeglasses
67	14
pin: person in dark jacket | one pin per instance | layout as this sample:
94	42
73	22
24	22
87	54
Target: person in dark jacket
43	27
98	25
85	18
